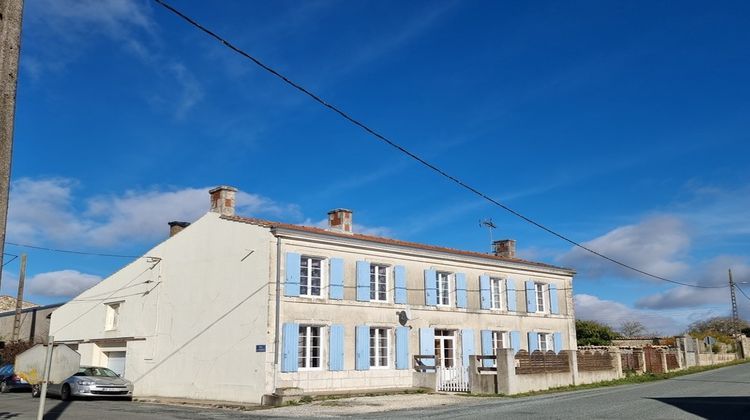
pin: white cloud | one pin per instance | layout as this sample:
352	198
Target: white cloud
655	245
44	210
711	273
613	313
63	283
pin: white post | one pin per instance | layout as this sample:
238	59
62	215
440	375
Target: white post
45	376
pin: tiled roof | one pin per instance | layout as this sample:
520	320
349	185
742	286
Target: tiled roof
386	241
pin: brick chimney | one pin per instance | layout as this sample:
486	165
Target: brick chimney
222	200
505	248
176	227
340	220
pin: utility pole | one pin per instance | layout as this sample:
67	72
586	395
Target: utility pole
19	300
11	12
735	315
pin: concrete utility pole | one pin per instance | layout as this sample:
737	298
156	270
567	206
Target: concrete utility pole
19	300
11	12
735	315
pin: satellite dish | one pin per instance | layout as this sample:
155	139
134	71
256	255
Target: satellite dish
404	316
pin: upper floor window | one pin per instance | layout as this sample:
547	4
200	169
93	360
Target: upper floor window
309	348
113	316
379	347
311	274
443	288
540	301
496	293
378	283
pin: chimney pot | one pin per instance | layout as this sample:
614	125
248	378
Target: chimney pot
340	220
177	227
505	248
222	200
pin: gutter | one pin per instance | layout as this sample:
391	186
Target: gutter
278	313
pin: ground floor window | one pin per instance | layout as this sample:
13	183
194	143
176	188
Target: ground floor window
308	349
445	353
546	342
379	345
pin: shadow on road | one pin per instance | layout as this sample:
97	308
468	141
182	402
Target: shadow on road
8	415
711	407
54	413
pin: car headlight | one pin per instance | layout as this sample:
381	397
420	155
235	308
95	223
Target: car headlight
84	383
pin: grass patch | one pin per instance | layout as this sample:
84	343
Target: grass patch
630	379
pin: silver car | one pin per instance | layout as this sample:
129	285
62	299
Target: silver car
90	381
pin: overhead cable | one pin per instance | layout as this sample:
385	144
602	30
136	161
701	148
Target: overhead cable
413	155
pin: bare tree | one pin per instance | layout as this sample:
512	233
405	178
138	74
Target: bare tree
632	329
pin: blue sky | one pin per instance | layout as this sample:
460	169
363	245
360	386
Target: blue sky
623	126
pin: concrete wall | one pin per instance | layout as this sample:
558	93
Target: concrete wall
350	313
34	323
189	322
510	383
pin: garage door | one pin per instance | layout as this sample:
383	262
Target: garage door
116	362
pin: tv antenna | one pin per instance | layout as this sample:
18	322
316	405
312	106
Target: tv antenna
489	224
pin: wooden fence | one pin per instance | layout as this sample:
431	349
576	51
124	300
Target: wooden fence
539	362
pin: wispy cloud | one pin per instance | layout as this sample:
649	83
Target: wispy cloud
49	210
65	29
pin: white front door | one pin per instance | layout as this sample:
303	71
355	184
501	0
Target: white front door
116	362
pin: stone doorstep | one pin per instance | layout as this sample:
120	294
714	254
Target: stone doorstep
229	405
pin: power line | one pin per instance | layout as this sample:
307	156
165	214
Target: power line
741	291
68	251
412	155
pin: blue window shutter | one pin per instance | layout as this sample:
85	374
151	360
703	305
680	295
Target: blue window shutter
533	341
553	308
487	347
427	345
291	285
362	361
399	282
530	296
510	292
402	347
467	345
290	336
557	338
336	347
461	290
430	290
515	341
484	292
363	282
337	278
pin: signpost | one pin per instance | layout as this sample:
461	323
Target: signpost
43	364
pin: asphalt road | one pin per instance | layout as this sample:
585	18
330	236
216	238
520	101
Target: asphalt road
718	394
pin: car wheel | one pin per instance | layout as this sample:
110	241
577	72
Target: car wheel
4	387
35	391
65	393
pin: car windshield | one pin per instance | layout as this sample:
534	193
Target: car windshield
96	371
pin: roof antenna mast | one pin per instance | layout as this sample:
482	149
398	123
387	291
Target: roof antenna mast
489	224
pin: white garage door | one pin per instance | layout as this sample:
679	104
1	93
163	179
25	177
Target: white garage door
116	361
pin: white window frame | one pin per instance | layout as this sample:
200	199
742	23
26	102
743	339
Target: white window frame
112	316
376	270
443	288
545	342
496	293
305	281
376	351
503	339
541	298
305	347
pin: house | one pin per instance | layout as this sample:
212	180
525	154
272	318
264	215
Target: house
34	321
235	308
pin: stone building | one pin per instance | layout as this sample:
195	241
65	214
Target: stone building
235	308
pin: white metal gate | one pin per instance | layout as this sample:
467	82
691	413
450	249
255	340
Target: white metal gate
453	379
